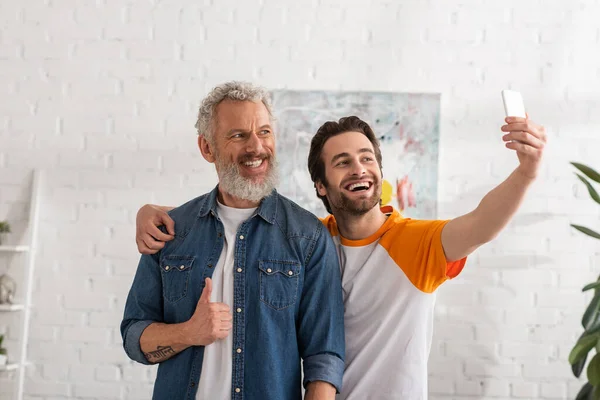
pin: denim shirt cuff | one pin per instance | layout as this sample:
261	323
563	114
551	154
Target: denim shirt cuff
324	367
132	341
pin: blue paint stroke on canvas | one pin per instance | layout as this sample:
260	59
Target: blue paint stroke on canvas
406	124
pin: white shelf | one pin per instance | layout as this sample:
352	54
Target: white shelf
14	249
9	367
11	307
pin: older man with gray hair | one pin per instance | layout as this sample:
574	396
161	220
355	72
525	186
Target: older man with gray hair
248	283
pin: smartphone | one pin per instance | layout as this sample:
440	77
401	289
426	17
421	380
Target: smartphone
513	104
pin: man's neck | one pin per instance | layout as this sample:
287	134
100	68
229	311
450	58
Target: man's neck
235	202
357	227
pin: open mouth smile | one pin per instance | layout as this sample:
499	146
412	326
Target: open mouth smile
361	186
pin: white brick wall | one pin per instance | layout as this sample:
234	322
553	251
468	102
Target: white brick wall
103	94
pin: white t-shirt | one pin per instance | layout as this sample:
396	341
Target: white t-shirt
217	366
389	281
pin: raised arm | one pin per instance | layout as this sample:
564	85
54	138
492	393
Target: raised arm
462	235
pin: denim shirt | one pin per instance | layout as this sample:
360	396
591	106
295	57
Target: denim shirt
287	303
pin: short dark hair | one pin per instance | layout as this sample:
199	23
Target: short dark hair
316	165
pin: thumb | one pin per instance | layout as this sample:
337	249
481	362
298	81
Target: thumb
206	292
169	223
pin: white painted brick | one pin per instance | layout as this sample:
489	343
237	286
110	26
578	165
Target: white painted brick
108	373
99	179
55	372
103	319
83	373
559	299
153	50
539	370
139	391
495	388
526	350
485	351
48	388
505	297
469	388
553	390
441	386
84	335
146	161
526	390
91	390
508	331
84	301
467	35
102	354
50	352
136	373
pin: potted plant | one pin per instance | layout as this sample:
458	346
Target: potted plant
4	229
3	357
590	338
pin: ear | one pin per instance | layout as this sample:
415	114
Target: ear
321	189
205	149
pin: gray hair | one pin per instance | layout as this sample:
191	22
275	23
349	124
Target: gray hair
233	90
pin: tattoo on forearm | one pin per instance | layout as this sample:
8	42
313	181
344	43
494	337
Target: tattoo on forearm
161	353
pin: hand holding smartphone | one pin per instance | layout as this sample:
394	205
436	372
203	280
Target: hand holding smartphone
513	104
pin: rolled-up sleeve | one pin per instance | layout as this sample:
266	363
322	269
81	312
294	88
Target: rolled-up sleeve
144	306
321	320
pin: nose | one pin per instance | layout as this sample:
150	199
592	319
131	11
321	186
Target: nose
357	169
254	144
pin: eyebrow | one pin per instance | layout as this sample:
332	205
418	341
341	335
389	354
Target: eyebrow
342	155
235	130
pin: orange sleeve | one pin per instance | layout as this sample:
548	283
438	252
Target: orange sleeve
416	247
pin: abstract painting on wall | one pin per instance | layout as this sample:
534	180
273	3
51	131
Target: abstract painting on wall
406	124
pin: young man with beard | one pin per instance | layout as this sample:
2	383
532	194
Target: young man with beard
224	315
391	266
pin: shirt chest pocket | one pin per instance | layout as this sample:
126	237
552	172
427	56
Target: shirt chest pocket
175	273
279	283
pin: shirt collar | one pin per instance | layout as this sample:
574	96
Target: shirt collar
267	208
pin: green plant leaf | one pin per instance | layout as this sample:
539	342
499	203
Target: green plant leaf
577	368
590	189
593	370
595	395
587	171
589	286
587	231
585	392
591	313
582	347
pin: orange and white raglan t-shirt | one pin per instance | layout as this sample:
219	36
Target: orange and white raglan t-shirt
389	281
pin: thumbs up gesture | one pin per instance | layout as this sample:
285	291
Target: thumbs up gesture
211	321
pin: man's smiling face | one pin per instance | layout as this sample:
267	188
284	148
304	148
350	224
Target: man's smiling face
353	176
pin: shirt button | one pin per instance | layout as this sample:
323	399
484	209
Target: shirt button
269	270
239	270
167	268
209	265
239	351
290	273
219	234
237	390
182	267
239	310
241	237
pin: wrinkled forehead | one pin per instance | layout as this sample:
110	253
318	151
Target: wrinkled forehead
240	115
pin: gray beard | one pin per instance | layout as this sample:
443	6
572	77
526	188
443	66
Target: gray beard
236	185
